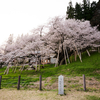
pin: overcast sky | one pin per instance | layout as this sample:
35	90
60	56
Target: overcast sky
20	16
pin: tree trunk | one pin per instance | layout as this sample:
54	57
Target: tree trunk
67	56
75	53
57	60
61	62
61	57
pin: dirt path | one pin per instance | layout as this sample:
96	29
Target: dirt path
11	94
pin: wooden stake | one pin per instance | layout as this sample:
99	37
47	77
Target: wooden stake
40	88
18	87
0	81
84	83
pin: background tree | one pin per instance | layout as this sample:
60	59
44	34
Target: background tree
82	11
63	38
86	10
96	17
70	10
78	11
93	8
9	42
73	35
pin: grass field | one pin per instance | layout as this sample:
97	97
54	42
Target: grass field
72	73
8	94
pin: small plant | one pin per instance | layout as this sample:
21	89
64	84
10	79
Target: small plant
65	85
45	84
76	81
90	79
69	81
79	89
92	89
74	85
92	97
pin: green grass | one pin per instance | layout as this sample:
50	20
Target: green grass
92	97
90	66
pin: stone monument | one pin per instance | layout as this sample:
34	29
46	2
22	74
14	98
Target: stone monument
60	84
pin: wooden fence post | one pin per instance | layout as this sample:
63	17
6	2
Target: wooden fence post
84	83
40	82
0	81
18	87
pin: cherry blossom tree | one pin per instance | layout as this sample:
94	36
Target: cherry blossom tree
71	35
59	36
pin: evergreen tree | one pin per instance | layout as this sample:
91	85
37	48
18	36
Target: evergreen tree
81	11
86	10
93	8
96	17
78	11
70	11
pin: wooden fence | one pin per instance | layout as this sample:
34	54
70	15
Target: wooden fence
40	82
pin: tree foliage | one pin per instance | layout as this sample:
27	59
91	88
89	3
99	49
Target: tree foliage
70	10
96	17
59	36
82	11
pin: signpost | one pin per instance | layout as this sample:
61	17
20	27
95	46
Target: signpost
61	85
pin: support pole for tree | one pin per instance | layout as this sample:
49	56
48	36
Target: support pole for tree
67	56
36	65
39	64
98	49
0	81
18	87
57	57
15	64
40	88
84	83
43	57
75	53
71	58
78	53
57	60
7	69
87	52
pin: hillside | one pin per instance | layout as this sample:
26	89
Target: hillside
90	66
73	81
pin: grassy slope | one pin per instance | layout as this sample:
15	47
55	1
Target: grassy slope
90	67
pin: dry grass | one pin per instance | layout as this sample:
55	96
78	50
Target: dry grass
72	86
8	94
69	82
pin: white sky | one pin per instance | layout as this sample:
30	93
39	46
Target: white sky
20	16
